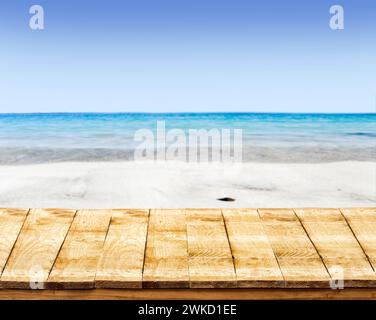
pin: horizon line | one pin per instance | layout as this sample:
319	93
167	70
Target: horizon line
186	112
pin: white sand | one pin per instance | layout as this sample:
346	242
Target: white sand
146	185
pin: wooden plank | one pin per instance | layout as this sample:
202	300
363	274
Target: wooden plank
298	259
36	248
337	246
197	248
166	263
210	259
363	224
76	264
255	263
122	259
11	221
191	294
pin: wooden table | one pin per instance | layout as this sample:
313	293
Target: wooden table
188	253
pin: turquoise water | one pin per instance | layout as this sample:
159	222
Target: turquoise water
40	138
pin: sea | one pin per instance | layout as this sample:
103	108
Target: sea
266	137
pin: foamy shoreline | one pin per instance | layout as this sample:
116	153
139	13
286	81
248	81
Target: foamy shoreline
177	184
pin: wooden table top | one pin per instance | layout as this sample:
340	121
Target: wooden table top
190	249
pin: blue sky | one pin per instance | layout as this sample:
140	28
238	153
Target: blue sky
188	55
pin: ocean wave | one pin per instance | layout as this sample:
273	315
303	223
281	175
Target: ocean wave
362	134
287	154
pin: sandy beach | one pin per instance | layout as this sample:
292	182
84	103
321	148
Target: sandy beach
177	184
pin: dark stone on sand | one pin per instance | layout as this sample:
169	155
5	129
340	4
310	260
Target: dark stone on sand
226	199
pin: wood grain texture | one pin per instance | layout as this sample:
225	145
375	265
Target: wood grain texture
76	264
36	248
166	262
337	246
298	259
191	294
11	221
194	251
122	260
363	224
255	263
210	259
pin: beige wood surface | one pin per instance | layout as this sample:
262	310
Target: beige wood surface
122	260
166	263
192	294
363	224
76	264
36	248
337	246
187	249
298	259
255	263
210	259
11	221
